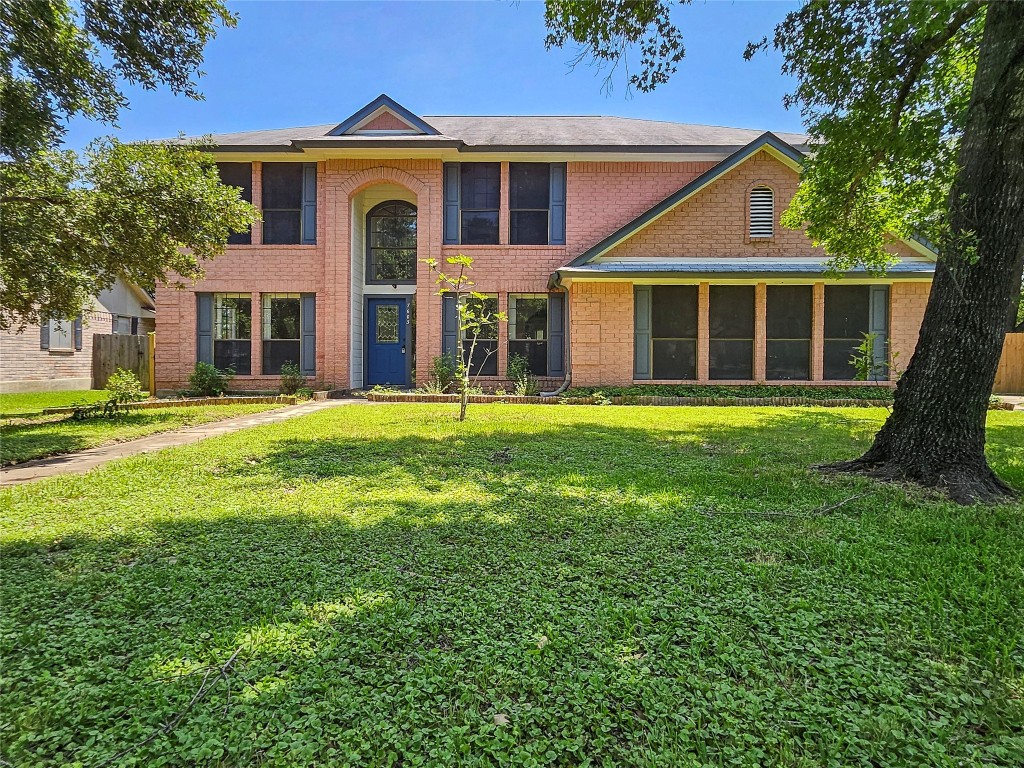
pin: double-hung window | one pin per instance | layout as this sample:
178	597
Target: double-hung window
289	203
528	330
232	332
482	356
479	195
529	200
238	175
281	315
62	335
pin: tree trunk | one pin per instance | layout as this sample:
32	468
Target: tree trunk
935	435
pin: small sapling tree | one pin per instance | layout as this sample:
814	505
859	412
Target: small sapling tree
475	319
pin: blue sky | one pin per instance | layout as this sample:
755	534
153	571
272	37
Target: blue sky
304	63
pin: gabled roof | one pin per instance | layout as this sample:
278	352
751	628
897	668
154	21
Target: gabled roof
766	141
383	104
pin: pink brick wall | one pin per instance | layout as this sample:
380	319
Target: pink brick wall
385	122
714	222
24	367
602	333
601	197
907	302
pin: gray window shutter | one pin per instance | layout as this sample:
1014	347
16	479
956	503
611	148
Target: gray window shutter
556	221
878	325
135	326
113	324
309	203
642	332
451	203
204	328
307	354
44	335
449	327
78	333
556	334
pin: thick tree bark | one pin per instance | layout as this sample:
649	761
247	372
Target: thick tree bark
935	435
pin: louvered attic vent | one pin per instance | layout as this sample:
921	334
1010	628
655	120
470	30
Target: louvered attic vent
762	212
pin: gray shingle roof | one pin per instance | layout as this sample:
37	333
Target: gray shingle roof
524	132
810	265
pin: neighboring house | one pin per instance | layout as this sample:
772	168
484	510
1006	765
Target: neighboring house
622	250
58	355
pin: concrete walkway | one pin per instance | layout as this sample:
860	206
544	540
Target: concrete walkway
83	461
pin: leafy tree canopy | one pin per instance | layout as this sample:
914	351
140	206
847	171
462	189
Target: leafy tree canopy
883	87
60	60
71	224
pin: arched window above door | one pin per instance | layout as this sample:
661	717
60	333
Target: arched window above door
391	243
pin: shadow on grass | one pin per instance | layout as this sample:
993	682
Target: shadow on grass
603	587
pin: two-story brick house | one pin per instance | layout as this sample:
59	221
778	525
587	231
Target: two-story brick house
622	250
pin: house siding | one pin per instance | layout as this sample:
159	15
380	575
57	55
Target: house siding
601	197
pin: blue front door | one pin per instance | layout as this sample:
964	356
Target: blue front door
386	344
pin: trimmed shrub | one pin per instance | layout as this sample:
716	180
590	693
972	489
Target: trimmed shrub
209	381
292	379
124	387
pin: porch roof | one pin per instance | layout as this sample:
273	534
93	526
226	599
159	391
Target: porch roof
736	268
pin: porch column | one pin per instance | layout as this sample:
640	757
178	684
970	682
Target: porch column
503	210
256	365
818	332
257	201
703	333
760	330
502	351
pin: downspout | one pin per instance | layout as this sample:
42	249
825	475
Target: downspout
555	278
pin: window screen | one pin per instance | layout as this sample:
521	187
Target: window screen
847	319
484	360
674	331
232	332
789	312
480	191
528	330
731	328
391	243
282	203
529	203
281	317
238	175
762	212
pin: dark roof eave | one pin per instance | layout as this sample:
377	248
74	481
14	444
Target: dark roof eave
679	149
344	142
260	148
556	277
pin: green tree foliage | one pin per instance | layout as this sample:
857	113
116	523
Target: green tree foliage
73	223
916	116
60	60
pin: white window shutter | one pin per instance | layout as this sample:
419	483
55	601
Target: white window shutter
762	212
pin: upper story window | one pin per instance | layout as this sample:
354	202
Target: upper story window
391	243
238	175
536	203
762	212
289	203
529	200
479	195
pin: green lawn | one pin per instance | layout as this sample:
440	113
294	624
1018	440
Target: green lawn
553	585
30	403
24	440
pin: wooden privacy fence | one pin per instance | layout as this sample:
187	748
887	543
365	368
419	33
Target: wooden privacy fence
111	351
1010	374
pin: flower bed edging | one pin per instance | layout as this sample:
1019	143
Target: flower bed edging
415	397
195	401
